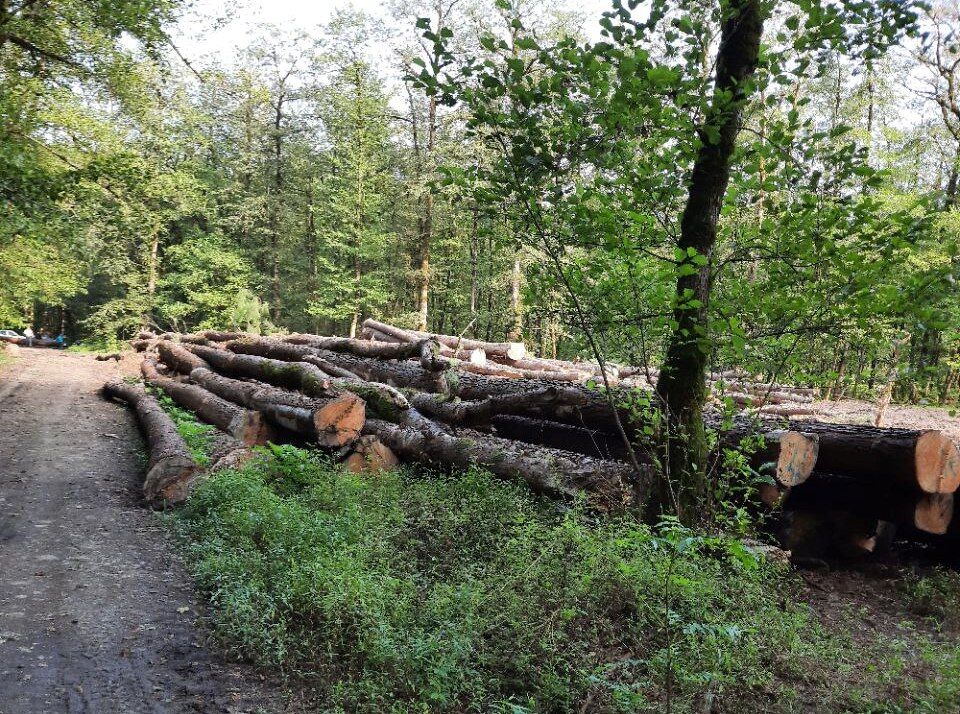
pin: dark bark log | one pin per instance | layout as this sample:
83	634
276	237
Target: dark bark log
331	422
609	486
927	512
472	413
684	488
171	469
830	534
590	442
924	460
246	426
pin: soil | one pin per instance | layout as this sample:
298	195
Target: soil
97	614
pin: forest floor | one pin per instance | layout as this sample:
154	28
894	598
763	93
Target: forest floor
97	614
853	411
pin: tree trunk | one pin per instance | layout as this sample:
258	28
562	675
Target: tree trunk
610	486
171	470
178	358
683	488
927	461
927	512
508	350
247	427
331	422
370	456
305	373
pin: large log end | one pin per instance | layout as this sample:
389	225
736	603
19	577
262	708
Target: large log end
339	421
797	458
371	456
250	428
933	513
516	350
169	481
937	463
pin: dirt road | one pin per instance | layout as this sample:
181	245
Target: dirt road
96	613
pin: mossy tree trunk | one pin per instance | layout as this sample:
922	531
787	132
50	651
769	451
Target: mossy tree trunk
684	487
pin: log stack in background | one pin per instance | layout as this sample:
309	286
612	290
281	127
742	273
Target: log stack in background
399	395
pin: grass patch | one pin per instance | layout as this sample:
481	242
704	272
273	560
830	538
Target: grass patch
199	436
423	592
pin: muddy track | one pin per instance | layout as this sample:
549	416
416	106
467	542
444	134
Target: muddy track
96	613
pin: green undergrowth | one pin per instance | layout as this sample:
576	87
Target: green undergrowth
416	591
199	436
421	592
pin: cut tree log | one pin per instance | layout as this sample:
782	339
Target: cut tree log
590	442
575	403
171	469
178	358
220	336
833	533
512	350
609	486
472	413
371	456
304	376
927	512
332	422
928	460
793	454
246	426
427	350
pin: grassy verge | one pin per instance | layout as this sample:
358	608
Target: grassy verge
422	592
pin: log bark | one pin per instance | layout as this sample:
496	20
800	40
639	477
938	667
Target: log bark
427	350
511	350
575	404
246	426
220	336
471	413
331	422
590	442
171	469
307	375
927	460
609	486
927	512
178	358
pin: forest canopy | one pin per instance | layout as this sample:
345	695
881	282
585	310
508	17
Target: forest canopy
495	168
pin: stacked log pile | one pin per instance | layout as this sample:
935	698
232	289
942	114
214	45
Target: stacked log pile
397	396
